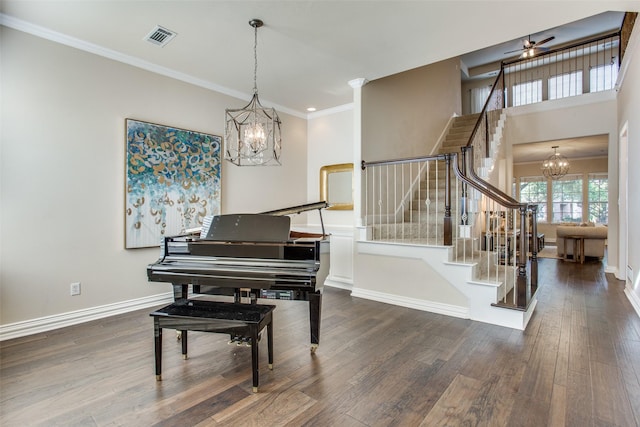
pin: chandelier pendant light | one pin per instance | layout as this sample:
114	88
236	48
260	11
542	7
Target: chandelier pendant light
555	166
252	133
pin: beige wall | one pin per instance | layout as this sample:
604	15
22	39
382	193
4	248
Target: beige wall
404	114
62	173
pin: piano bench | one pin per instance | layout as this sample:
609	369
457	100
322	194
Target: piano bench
238	320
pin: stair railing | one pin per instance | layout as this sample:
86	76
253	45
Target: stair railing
510	230
506	228
409	200
487	234
484	128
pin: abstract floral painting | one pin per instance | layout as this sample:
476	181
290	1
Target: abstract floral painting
172	181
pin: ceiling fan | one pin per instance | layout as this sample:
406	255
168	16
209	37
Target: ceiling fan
530	48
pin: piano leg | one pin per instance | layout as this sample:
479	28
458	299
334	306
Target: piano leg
315	306
254	356
183	335
270	342
158	347
180	291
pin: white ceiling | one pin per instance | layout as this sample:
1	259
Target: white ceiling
308	51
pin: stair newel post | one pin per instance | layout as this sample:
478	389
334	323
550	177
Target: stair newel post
521	291
503	99
534	246
464	216
447	232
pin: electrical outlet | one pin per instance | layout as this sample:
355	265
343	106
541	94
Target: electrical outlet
75	288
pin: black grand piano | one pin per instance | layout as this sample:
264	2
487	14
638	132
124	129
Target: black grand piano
249	256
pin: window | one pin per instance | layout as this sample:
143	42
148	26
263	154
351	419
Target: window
598	198
603	77
567	199
479	97
533	189
527	93
565	85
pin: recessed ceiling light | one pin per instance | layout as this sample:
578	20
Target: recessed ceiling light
311	109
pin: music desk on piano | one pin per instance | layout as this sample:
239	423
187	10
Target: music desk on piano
249	256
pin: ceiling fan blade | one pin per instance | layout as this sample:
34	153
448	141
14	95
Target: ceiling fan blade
512	51
545	40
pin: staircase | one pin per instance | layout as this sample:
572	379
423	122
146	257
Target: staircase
475	273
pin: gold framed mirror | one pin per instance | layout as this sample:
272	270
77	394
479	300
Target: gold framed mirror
336	186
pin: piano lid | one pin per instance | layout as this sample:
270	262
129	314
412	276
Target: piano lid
248	228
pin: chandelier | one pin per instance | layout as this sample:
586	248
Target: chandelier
556	165
252	133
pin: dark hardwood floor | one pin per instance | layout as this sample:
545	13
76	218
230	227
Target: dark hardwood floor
577	364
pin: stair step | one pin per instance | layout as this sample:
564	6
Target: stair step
462	128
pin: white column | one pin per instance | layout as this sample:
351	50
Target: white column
357	85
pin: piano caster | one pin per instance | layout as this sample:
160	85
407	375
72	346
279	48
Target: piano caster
158	377
255	389
271	366
314	347
185	357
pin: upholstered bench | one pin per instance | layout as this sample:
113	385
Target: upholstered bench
243	322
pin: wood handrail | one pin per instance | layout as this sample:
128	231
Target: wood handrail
486	105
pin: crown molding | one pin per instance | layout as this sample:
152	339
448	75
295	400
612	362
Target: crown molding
54	36
330	111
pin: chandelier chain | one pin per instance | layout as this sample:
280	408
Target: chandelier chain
255	60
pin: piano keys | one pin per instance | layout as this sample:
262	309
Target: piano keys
249	256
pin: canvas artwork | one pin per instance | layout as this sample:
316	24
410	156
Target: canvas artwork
172	181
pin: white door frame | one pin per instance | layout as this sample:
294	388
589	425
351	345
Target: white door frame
623	193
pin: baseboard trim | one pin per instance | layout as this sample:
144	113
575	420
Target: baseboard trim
56	321
610	269
338	284
418	304
633	298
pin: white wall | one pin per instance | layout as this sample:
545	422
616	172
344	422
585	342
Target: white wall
330	141
629	114
62	173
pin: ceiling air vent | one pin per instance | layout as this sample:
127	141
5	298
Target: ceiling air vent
160	36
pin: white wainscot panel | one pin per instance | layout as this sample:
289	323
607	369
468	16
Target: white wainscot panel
341	272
